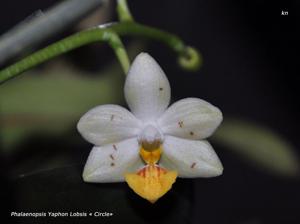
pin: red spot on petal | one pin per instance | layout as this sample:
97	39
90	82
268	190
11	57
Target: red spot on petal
112	117
180	123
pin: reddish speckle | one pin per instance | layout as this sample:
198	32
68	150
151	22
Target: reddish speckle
112	117
142	172
193	165
180	123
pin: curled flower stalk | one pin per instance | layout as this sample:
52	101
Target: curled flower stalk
188	57
153	144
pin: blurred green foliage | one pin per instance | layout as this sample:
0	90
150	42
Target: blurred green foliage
52	100
259	145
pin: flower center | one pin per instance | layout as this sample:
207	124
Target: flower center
150	138
152	181
150	157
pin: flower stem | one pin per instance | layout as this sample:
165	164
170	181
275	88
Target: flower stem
109	33
116	44
124	12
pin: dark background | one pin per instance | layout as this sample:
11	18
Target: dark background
251	70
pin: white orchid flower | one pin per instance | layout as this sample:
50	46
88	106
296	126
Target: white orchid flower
151	146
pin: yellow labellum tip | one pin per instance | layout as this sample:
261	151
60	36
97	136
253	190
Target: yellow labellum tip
151	182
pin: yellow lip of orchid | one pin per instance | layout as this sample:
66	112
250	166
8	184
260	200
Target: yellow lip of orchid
152	181
151	145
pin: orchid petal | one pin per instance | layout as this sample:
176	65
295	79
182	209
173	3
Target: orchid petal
147	89
109	163
190	118
107	124
190	158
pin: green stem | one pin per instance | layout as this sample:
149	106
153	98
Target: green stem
124	12
116	44
108	34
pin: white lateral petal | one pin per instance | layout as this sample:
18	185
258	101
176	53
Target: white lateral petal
190	118
190	158
109	163
147	89
107	124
